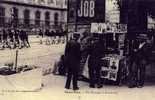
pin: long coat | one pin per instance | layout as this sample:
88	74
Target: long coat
144	53
72	54
96	52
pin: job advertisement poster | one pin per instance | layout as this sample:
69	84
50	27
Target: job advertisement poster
90	11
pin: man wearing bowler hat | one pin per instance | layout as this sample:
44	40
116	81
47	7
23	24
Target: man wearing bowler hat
141	59
72	59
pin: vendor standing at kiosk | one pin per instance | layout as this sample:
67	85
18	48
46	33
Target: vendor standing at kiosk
96	52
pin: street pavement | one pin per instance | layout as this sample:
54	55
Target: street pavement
41	55
53	85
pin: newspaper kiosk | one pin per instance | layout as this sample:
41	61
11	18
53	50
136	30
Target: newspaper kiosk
113	61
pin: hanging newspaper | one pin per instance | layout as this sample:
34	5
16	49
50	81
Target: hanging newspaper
98	27
110	67
108	28
120	28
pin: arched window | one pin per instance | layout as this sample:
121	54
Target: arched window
37	18
26	17
47	18
56	19
2	16
14	16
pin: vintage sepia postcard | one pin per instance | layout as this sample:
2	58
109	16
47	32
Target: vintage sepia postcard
77	49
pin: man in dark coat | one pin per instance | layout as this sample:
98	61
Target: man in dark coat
96	52
16	36
5	38
72	61
26	38
143	59
133	62
139	59
21	37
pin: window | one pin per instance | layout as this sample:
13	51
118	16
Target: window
2	16
41	1
50	1
37	18
65	2
56	19
57	2
47	18
14	16
26	17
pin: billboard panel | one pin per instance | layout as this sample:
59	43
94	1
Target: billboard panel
90	11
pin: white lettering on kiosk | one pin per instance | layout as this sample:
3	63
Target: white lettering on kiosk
92	9
87	8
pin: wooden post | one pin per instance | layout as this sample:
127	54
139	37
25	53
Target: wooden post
16	59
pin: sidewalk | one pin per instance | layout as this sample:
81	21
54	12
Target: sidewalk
53	89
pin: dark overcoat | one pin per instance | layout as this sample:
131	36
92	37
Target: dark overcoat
72	54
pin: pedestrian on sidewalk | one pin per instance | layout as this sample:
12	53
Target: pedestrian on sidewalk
96	52
41	35
72	62
1	40
5	38
26	39
16	38
139	62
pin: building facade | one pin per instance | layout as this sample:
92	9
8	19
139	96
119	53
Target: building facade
33	14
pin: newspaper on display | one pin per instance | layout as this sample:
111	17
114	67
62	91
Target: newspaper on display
110	67
108	28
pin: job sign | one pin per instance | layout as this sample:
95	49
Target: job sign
87	8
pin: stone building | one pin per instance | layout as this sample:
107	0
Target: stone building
33	14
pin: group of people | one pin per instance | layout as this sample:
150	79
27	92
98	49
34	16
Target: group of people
13	38
72	58
52	37
138	58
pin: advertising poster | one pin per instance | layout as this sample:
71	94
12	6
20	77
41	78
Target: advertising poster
90	11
